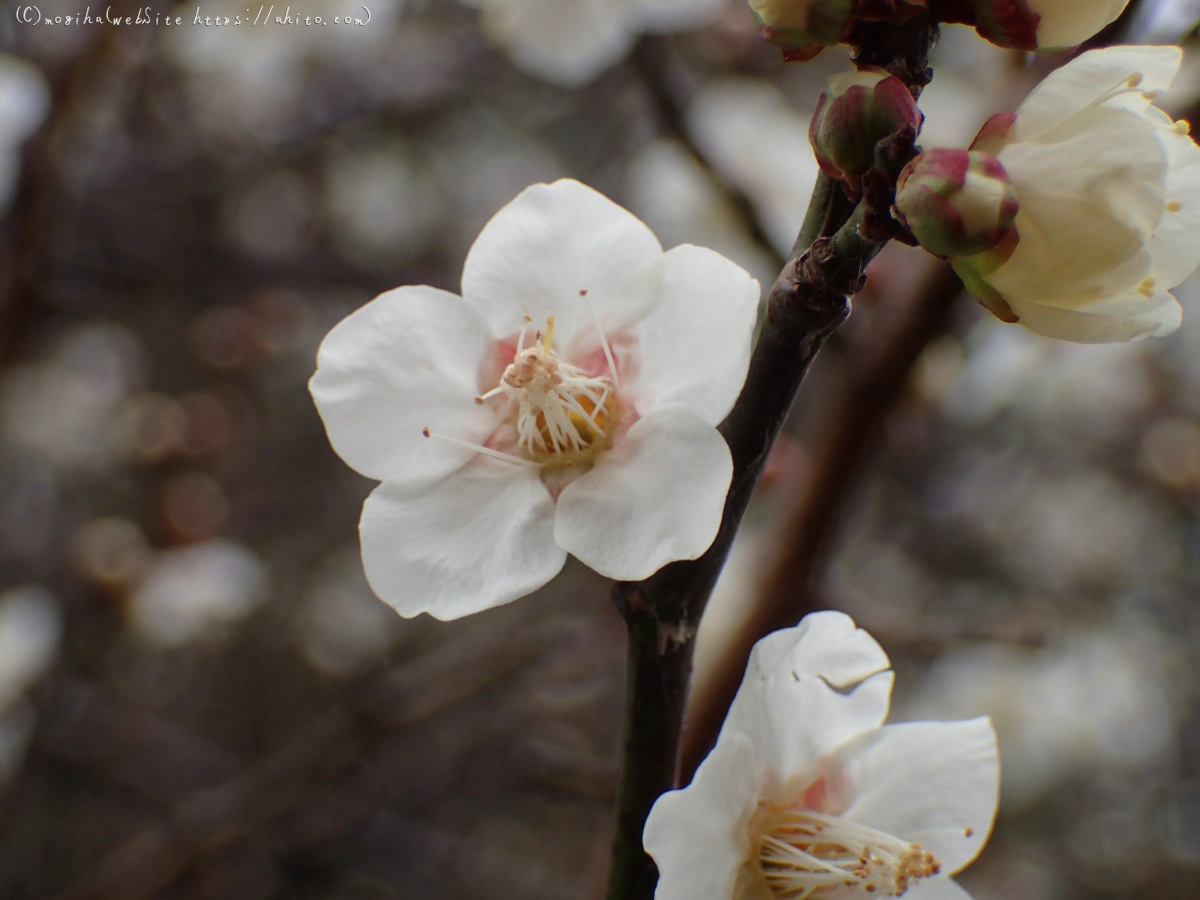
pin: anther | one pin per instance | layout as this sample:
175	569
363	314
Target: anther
1174	206
1134	80
1183	126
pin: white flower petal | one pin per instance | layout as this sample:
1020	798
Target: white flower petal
24	100
825	644
568	42
940	888
474	539
1090	78
1123	178
406	361
1127	317
1176	242
553	242
695	342
932	783
654	498
678	15
698	836
793	724
1068	23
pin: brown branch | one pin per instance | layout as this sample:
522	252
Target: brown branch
806	304
788	593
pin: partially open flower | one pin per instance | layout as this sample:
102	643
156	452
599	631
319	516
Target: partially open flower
858	110
956	202
1039	24
804	27
1109	194
565	403
808	795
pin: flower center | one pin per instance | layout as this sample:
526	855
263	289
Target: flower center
807	855
563	415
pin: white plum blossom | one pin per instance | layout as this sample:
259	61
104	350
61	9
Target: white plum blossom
570	42
1109	194
807	795
567	402
24	102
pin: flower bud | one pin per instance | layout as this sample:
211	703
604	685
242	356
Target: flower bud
956	202
860	109
803	27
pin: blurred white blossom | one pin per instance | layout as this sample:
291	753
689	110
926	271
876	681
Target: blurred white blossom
673	194
567	402
63	408
189	591
344	626
570	42
808	794
1092	698
24	102
385	209
1091	392
776	170
30	628
253	75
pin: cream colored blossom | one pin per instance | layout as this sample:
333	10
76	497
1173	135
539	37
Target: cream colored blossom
1109	194
1068	23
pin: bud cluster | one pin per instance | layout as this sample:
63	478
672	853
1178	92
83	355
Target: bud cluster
803	27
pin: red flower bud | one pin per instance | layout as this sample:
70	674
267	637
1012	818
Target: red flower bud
860	109
956	202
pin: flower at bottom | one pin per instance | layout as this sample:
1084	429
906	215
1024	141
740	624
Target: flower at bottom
567	402
808	796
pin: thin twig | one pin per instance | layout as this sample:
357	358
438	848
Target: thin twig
806	304
788	593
